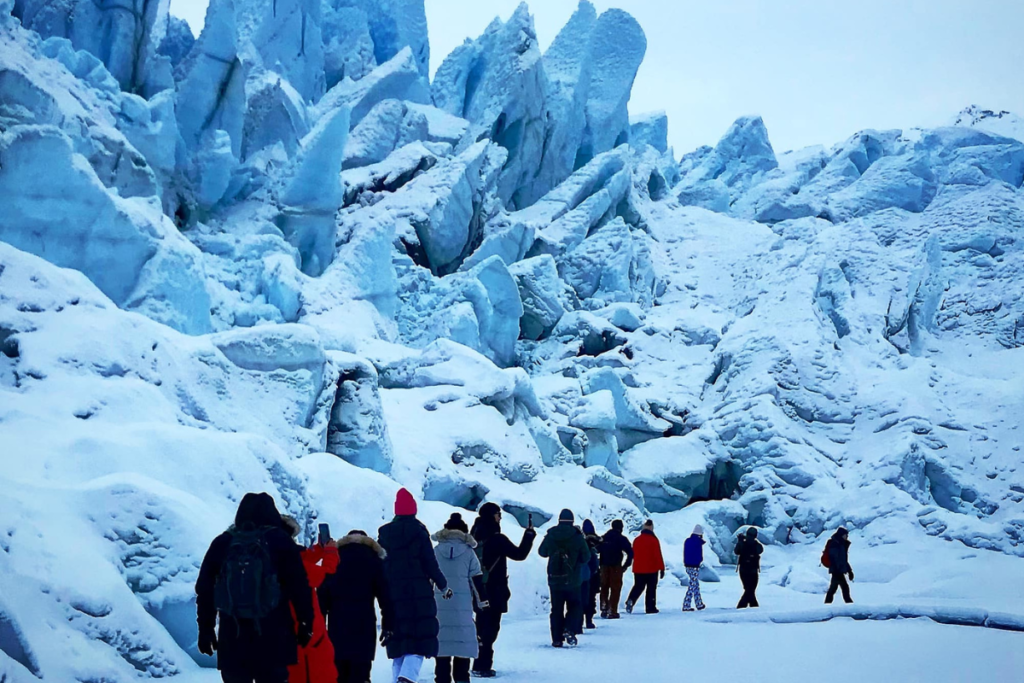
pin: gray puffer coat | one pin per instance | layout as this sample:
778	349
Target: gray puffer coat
458	561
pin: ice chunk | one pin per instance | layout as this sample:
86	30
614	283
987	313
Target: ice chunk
625	316
211	91
603	480
357	432
396	79
391	26
567	67
348	47
649	129
275	113
592	334
312	192
497	83
127	38
212	167
177	41
441	126
632	419
600	266
616	50
57	206
542	294
453	201
389	125
595	411
740	159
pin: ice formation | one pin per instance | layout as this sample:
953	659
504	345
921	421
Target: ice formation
276	257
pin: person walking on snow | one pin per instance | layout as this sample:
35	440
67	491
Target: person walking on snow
748	564
616	557
494	549
256	640
567	552
316	660
457	643
837	551
410	568
592	579
346	599
648	565
693	558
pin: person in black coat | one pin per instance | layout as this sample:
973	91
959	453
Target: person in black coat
591	583
346	599
838	550
748	563
495	550
259	650
616	556
410	568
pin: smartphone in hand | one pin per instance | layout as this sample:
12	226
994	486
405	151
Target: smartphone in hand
325	534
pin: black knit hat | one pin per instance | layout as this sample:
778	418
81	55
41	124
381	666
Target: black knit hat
456	523
488	510
752	532
566	516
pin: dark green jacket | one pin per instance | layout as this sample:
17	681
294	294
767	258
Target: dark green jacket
567	552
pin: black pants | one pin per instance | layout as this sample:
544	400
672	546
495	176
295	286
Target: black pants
350	671
645	583
272	676
566	613
444	672
749	577
488	625
590	590
838	581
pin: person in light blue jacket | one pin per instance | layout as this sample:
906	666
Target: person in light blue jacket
693	558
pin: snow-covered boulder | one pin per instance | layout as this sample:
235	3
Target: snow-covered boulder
389	125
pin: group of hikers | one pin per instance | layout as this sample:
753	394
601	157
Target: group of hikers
277	612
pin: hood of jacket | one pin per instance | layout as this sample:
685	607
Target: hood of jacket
359	539
454	543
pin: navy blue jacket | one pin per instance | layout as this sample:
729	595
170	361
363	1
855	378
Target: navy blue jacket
693	551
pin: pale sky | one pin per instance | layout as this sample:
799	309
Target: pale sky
816	70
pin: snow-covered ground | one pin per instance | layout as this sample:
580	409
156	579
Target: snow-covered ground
723	642
278	257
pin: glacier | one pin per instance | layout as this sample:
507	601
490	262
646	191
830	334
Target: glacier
280	256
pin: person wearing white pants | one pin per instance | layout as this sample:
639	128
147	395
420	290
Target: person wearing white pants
406	669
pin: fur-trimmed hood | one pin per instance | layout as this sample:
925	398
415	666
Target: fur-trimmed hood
453	535
359	539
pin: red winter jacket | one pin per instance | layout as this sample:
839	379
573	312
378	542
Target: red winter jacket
316	660
647	557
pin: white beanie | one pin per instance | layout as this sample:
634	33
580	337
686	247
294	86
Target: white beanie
698	530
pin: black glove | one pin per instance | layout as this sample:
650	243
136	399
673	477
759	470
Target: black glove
447	595
385	636
663	573
207	642
851	575
304	635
